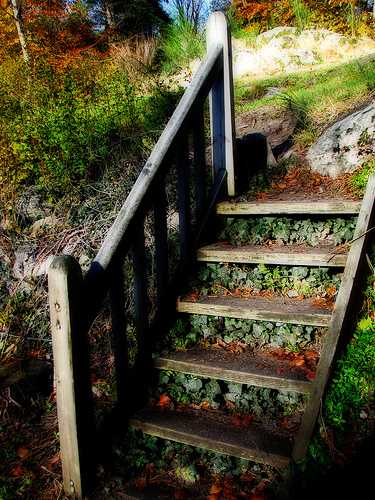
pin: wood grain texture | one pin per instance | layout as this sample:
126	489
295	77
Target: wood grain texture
248	367
260	443
339	315
222	100
64	274
276	309
289	255
289	208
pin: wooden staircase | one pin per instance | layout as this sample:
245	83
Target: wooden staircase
177	180
264	444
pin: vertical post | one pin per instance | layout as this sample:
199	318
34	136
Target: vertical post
119	340
222	101
73	391
161	245
183	198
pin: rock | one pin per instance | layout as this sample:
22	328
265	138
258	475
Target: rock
277	125
41	225
276	32
27	265
29	207
346	145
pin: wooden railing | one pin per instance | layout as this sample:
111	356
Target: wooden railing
176	164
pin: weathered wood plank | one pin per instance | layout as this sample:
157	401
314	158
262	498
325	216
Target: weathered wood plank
70	358
339	315
259	308
222	100
140	292
184	212
161	244
289	255
215	432
200	175
118	334
289	208
245	368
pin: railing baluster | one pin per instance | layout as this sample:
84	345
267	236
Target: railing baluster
183	198
199	164
161	244
140	290
119	339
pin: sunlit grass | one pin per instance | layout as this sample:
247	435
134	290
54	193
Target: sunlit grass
317	97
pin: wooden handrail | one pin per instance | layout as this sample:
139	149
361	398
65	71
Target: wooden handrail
199	88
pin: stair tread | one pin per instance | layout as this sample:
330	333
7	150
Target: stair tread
279	309
273	254
249	367
268	207
214	430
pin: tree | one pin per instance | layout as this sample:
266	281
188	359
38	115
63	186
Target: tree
192	10
128	16
18	21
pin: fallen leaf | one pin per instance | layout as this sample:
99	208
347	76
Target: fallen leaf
23	452
215	489
164	401
242	420
17	471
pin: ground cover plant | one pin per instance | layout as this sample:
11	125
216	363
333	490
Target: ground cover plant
210	330
242	280
286	230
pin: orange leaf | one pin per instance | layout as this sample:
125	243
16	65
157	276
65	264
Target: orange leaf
215	489
23	452
164	401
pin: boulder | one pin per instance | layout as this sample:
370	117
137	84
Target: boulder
276	124
346	145
42	225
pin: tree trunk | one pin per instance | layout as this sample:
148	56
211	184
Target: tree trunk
108	12
19	25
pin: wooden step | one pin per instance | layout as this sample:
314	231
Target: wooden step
279	309
212	430
328	207
249	367
289	255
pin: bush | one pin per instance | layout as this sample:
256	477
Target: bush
57	129
181	43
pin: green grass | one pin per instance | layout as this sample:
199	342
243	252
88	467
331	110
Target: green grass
317	98
180	44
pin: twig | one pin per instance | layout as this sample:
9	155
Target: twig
352	241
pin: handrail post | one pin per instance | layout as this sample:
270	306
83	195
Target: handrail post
72	377
222	101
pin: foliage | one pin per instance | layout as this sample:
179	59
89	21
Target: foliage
61	128
260	402
353	385
218	278
181	43
358	180
287	230
336	15
301	13
189	330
